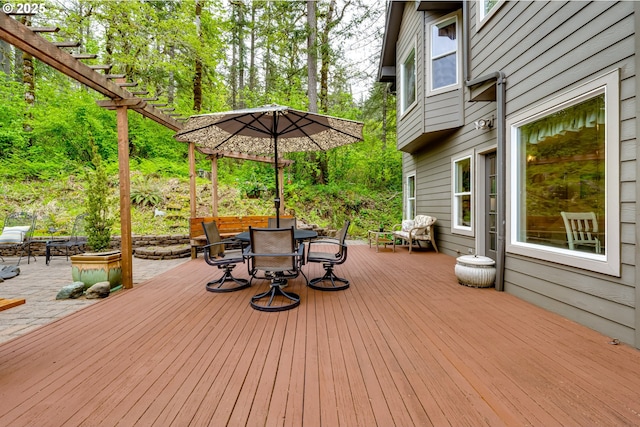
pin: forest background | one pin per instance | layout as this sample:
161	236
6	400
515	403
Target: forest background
200	56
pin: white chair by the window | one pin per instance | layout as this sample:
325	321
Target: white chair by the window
582	229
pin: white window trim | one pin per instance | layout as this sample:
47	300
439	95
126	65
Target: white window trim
455	228
609	263
414	48
482	20
429	58
407	214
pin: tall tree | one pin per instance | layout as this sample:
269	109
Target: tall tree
312	57
197	76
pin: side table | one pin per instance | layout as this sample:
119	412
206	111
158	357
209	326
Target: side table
383	238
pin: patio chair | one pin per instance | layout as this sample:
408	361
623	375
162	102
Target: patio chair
329	260
582	229
417	230
75	242
17	233
221	254
284	222
275	256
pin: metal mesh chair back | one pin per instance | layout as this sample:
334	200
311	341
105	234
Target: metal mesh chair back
284	223
342	236
78	231
21	218
267	241
213	236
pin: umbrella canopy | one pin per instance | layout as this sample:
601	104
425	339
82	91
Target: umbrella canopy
269	129
256	130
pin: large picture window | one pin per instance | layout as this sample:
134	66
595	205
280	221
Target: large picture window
444	53
462	183
408	82
564	197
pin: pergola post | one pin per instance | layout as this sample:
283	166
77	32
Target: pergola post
281	189
192	179
125	197
214	185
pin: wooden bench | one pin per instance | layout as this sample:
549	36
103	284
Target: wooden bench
228	226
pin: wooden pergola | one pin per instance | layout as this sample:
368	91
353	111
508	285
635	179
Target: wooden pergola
120	100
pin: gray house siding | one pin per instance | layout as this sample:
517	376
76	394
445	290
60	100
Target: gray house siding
544	48
410	124
444	110
571	43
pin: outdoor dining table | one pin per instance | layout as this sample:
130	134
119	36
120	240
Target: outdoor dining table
298	234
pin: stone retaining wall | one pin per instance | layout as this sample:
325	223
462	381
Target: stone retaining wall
39	243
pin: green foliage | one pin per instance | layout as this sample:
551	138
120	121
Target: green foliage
155	44
98	220
145	192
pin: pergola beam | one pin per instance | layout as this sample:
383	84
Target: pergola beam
214	155
23	38
121	100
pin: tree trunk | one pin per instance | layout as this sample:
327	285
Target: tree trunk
312	57
385	91
171	84
5	55
252	51
197	77
325	50
241	54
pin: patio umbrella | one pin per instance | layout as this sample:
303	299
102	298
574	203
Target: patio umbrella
269	129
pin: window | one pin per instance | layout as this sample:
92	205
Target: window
462	185
444	53
408	82
486	7
410	206
565	158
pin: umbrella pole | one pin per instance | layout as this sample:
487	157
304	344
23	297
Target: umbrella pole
275	167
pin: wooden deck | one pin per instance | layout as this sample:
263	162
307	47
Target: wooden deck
404	345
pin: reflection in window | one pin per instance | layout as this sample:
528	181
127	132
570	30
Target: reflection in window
462	193
444	53
486	6
562	169
408	89
411	197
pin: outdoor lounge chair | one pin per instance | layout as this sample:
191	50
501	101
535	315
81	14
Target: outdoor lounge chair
219	253
582	229
75	242
17	233
329	260
417	230
275	256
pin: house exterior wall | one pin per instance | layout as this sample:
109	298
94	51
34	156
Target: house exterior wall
544	48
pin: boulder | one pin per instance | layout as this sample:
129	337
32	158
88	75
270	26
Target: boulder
99	290
74	290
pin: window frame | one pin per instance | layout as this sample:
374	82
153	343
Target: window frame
404	109
456	16
455	227
410	200
608	263
481	17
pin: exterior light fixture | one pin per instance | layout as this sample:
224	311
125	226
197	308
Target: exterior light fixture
483	124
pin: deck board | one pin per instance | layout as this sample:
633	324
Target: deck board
404	345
